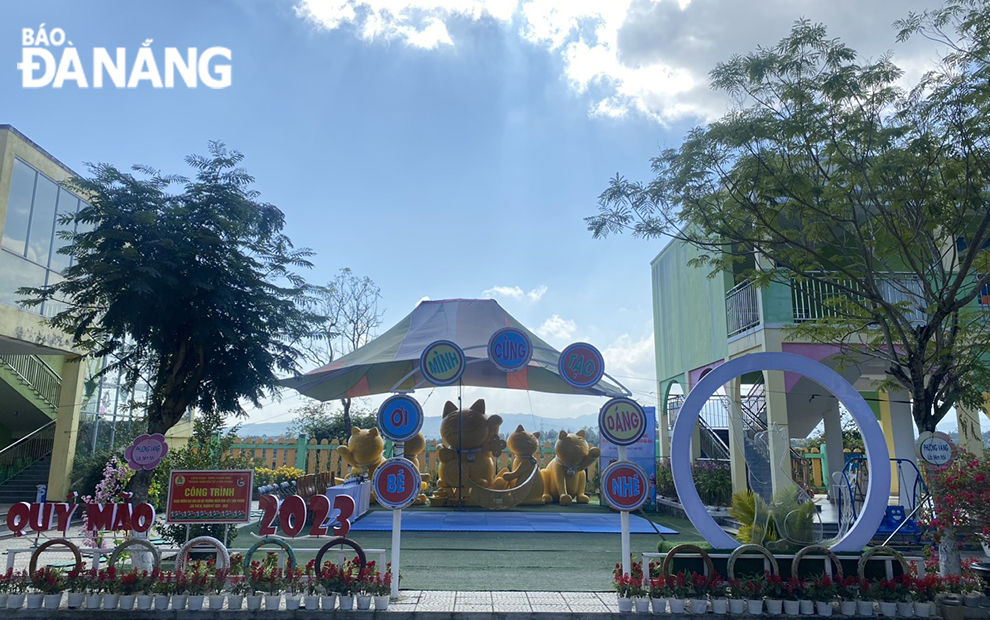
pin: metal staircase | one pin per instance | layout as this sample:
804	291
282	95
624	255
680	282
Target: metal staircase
33	373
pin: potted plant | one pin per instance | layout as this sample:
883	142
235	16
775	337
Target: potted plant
679	591
218	584
130	584
181	595
257	580
849	592
311	601
162	589
240	586
4	584
971	590
94	590
926	590
274	584
383	589
346	584
16	586
330	585
698	593
624	586
658	594
49	584
905	602
717	593
737	599
822	590
793	592
806	603
773	590
751	588
197	585
75	585
294	586
888	593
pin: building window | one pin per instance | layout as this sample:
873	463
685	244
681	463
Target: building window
15	228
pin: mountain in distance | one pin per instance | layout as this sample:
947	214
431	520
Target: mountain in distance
431	425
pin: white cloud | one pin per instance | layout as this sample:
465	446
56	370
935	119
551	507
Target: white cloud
631	361
515	292
556	327
645	57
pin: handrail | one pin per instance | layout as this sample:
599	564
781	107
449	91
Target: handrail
37	374
19	455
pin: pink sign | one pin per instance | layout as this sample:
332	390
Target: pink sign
146	452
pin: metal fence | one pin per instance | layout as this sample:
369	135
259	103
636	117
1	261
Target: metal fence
742	308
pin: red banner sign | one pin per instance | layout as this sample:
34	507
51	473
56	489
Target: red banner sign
209	496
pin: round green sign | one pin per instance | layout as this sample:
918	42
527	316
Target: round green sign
442	363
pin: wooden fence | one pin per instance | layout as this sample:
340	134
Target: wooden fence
315	457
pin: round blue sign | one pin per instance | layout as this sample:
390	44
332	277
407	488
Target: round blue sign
581	365
442	363
510	349
400	418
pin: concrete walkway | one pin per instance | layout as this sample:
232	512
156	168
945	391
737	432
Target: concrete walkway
495	602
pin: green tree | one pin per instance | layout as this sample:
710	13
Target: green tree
829	176
194	292
319	421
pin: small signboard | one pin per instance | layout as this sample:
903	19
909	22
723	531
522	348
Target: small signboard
934	449
581	365
397	483
442	363
510	349
622	421
625	486
146	452
400	418
208	496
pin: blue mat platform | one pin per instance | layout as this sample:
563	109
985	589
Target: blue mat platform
453	521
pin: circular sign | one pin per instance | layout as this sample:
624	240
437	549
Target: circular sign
622	421
400	418
510	349
625	486
934	449
397	483
146	452
442	363
581	365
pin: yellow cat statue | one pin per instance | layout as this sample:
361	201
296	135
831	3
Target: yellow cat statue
470	446
565	477
523	447
363	451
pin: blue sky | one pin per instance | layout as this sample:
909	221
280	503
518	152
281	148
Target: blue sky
444	149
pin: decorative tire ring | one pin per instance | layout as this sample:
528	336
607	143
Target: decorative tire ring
33	566
290	562
796	563
884	550
668	560
338	542
137	542
223	557
750	548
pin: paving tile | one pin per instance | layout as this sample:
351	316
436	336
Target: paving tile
512	607
549	608
461	608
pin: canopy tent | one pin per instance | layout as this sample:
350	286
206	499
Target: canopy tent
390	363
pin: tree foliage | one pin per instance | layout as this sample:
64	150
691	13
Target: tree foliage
195	292
872	200
320	421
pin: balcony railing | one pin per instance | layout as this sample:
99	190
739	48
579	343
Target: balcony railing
742	308
813	299
34	372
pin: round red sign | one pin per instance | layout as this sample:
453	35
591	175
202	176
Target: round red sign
625	486
397	483
581	365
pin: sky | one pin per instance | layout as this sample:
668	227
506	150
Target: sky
443	148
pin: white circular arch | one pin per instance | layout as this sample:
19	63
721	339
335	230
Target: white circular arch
878	491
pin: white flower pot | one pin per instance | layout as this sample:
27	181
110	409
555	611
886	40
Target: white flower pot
3	601
736	606
312	602
161	602
93	601
216	601
346	602
774	606
144	601
328	602
253	602
110	601
235	601
363	602
641	604
273	602
864	608
126	602
754	606
75	600
905	609
922	610
792	608
888	609
179	601
824	608
676	605
381	602
195	602
15	601
720	605
625	604
848	608
972	600
35	600
659	605
53	601
698	605
292	602
807	607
